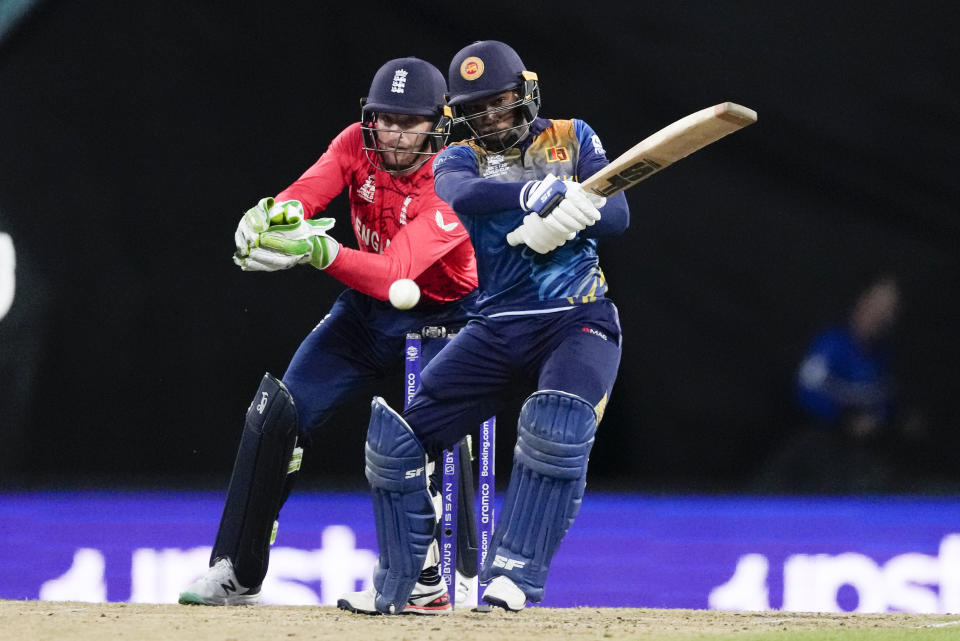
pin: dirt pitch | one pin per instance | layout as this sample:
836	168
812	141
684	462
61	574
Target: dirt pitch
54	621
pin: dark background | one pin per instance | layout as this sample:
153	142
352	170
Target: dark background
134	134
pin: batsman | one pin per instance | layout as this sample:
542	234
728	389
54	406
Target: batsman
404	231
546	326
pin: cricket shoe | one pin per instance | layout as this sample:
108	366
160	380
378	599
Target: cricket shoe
504	593
425	599
219	586
466	592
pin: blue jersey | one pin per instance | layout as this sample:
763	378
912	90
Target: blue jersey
838	375
484	190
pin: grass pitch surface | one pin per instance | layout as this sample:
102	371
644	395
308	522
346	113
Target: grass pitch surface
44	620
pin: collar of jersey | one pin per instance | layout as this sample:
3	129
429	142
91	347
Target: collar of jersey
537	127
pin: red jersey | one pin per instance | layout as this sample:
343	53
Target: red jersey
403	229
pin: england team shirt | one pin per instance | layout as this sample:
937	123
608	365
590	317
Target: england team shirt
403	229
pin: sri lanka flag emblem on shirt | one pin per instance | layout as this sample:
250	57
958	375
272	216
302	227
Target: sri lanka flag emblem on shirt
556	154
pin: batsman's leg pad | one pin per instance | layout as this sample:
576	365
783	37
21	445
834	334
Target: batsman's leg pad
402	506
257	484
554	436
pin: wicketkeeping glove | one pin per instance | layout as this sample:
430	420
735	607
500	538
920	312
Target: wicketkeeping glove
265	260
282	223
306	241
256	220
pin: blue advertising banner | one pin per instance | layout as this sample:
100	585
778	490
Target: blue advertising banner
737	553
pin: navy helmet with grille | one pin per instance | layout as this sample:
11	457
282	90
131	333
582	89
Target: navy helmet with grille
487	68
407	86
412	87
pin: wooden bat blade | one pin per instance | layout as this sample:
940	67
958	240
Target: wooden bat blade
669	145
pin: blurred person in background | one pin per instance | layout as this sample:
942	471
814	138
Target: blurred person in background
846	395
844	382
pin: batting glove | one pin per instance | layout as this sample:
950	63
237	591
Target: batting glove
542	196
582	205
566	209
564	204
538	235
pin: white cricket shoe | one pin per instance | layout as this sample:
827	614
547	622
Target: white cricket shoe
219	586
425	599
466	592
504	593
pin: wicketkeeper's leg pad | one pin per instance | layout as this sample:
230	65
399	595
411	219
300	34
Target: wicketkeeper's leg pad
554	436
402	506
257	484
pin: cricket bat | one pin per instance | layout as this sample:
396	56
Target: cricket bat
664	148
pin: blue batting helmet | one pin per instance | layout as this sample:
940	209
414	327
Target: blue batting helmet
487	68
484	68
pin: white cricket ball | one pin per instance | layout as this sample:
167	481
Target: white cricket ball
404	293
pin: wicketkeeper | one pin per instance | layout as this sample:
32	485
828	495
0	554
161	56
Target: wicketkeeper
403	230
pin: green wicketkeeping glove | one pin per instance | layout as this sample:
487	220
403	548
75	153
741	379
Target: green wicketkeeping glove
261	216
307	240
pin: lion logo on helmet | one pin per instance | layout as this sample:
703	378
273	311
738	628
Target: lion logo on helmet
471	68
